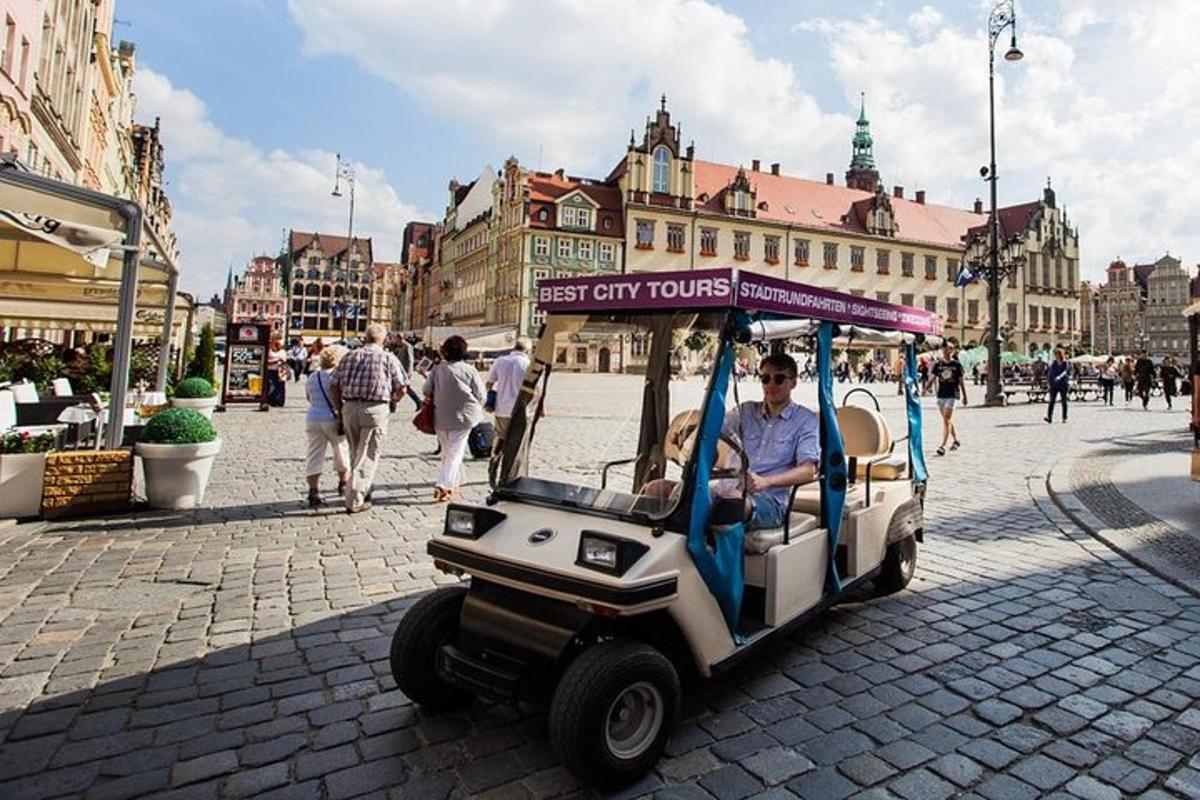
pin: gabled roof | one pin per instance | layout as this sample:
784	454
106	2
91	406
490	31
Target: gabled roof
331	245
817	204
546	188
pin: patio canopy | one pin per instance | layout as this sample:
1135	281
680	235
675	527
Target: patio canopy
74	258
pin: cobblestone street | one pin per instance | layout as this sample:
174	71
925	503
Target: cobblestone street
241	649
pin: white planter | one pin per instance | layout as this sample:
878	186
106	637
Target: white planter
21	477
204	405
177	474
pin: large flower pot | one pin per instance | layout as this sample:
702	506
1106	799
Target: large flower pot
21	476
204	405
177	474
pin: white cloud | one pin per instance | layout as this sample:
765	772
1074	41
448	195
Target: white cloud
231	199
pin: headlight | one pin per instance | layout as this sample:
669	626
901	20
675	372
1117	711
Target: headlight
608	553
469	522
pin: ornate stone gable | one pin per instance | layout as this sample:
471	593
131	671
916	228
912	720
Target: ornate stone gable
740	196
881	217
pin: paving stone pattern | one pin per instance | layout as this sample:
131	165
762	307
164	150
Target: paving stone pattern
240	650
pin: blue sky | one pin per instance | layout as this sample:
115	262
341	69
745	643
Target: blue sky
257	95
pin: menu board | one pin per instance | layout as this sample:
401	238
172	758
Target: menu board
246	363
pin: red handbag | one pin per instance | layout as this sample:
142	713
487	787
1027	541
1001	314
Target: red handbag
423	421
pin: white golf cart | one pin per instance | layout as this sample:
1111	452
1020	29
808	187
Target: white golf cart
593	594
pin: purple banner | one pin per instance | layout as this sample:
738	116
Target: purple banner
694	289
764	293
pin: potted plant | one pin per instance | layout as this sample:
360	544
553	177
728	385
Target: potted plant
177	447
22	468
195	393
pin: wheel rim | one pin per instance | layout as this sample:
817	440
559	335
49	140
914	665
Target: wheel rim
634	720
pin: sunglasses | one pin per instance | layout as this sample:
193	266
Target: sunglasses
777	378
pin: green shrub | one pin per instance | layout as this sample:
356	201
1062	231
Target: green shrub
192	388
43	372
178	426
143	367
97	372
204	359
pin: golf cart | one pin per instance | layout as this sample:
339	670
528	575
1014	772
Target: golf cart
591	592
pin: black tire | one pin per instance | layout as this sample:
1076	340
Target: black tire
585	703
899	565
430	623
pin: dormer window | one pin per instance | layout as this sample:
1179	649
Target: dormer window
662	170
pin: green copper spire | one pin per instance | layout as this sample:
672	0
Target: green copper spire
862	142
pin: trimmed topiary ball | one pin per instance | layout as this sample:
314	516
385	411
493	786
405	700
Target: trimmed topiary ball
194	388
178	426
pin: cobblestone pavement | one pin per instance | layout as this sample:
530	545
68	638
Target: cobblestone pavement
240	649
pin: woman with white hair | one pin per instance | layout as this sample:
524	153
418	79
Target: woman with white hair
323	427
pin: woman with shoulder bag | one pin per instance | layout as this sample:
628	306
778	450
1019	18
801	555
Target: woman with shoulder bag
324	428
457	393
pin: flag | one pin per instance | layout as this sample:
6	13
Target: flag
965	276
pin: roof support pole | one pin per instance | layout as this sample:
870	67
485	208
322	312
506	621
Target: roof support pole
164	350
181	365
123	341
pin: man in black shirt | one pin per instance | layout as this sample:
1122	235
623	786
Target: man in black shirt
948	372
1143	370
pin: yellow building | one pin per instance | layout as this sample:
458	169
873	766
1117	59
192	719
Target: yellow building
682	213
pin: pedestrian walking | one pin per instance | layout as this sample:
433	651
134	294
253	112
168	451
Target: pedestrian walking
1143	372
1168	375
504	384
457	393
297	360
949	373
1127	378
407	356
277	373
1058	376
323	427
1108	380
367	380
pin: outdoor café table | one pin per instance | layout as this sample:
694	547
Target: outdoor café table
78	419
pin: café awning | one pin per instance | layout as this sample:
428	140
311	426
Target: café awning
74	255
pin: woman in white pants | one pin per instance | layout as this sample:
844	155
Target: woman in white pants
457	392
322	427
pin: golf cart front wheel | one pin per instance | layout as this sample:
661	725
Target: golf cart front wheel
430	623
899	565
613	711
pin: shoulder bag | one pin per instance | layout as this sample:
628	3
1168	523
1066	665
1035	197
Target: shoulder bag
423	421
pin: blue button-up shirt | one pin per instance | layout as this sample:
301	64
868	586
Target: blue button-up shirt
777	444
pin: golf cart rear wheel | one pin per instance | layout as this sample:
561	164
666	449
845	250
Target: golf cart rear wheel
430	623
613	711
899	564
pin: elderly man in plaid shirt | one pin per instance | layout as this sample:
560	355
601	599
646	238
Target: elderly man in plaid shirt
365	384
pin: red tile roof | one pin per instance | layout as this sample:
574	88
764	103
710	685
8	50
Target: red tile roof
546	188
817	204
331	245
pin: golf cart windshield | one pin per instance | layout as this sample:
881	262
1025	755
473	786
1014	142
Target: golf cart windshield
626	458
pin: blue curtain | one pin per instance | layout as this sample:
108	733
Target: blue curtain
721	565
834	473
916	447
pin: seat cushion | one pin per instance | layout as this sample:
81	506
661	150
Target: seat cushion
889	469
808	498
758	542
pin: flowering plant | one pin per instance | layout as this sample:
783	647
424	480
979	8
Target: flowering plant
25	442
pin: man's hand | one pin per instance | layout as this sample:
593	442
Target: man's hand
757	483
965	399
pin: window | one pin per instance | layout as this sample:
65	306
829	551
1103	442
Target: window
771	249
10	43
906	299
1071	318
561	356
741	245
568	217
314	261
801	248
906	264
858	256
645	234
583	217
952	309
1012	278
856	292
662	170
1046	317
831	255
581	356
930	268
541	246
1058	319
1046	277
639	346
1033	316
1012	313
674	238
1031	280
585	250
972	311
606	252
538	316
1058	272
951	269
931	303
565	247
708	241
883	297
883	262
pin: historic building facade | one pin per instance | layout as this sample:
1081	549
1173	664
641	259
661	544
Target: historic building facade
385	295
417	248
1168	293
1119	319
19	50
683	213
466	250
258	295
329	284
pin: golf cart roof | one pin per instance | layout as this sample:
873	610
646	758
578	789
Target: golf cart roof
728	288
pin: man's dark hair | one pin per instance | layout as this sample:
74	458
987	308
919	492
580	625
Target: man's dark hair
782	362
454	348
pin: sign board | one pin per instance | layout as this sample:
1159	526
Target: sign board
246	363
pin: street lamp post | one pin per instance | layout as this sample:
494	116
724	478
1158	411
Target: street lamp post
1002	17
345	171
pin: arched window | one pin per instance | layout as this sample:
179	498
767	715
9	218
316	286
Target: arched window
662	169
314	273
298	288
326	290
364	293
311	289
